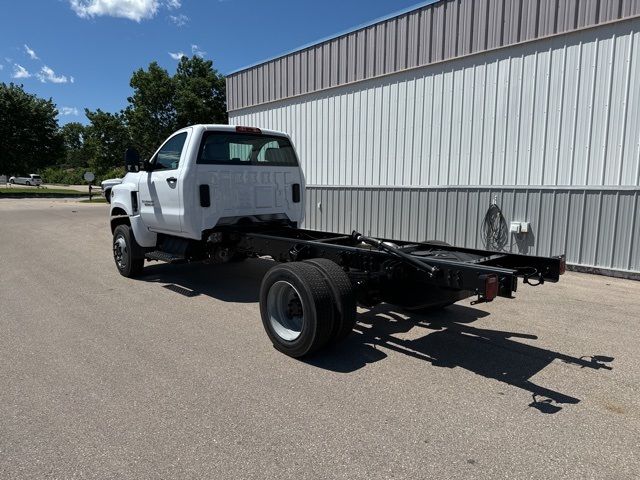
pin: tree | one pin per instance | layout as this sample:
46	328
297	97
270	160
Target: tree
29	136
73	134
162	104
151	114
200	93
105	140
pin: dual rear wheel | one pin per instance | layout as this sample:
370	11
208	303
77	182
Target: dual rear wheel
307	305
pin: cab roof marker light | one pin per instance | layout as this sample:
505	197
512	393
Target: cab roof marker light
241	129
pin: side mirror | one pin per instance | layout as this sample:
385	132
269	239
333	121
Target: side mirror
132	160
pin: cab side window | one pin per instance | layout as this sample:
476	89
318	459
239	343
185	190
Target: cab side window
168	157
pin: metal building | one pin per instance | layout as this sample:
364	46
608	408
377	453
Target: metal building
411	126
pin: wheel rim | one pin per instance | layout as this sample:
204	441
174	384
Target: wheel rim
285	310
120	251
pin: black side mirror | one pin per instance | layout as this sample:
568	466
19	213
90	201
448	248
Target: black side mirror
132	160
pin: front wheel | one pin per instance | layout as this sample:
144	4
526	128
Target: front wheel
126	252
28	184
297	308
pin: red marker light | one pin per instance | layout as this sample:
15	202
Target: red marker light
563	264
241	129
490	287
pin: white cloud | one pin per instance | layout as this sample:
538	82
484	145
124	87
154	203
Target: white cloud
20	72
1	67
47	74
30	52
179	20
72	80
176	55
195	49
135	10
173	4
68	111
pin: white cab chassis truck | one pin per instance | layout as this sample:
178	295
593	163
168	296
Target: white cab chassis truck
220	193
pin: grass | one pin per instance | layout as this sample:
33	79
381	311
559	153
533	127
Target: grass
40	192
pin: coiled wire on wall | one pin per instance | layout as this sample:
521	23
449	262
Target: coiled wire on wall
495	231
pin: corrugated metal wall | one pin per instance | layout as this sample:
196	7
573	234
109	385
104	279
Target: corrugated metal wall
437	32
552	126
560	111
594	227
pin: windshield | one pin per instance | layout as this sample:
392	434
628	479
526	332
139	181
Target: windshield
35	177
231	148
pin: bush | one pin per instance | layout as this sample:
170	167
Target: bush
75	176
65	176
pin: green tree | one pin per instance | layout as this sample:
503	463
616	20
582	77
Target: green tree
105	140
200	93
29	136
162	104
73	134
151	114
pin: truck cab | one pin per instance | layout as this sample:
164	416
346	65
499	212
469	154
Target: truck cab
205	177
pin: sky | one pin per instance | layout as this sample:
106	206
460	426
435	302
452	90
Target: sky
81	53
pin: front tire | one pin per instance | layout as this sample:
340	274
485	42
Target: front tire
297	308
28	184
126	252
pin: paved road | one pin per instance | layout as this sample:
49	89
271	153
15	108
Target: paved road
171	376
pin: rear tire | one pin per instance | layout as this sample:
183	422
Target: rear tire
12	181
343	296
126	252
28	183
297	308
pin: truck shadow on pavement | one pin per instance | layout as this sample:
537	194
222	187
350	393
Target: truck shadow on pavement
230	282
451	342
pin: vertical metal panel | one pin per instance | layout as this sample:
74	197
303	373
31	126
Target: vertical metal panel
423	214
550	127
558	112
443	30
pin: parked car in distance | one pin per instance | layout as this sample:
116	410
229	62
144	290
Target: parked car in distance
107	185
32	179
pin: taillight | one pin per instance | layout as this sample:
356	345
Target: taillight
490	287
563	264
241	129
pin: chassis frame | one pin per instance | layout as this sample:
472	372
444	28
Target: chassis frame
410	274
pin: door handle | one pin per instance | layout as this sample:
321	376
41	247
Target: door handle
171	180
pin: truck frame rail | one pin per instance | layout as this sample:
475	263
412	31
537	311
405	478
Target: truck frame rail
412	265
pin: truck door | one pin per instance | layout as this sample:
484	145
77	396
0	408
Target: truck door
159	189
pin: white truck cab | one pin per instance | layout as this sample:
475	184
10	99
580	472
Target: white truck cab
207	176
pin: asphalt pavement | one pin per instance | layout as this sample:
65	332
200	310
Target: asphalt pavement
172	376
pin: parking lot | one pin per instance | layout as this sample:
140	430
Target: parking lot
172	375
